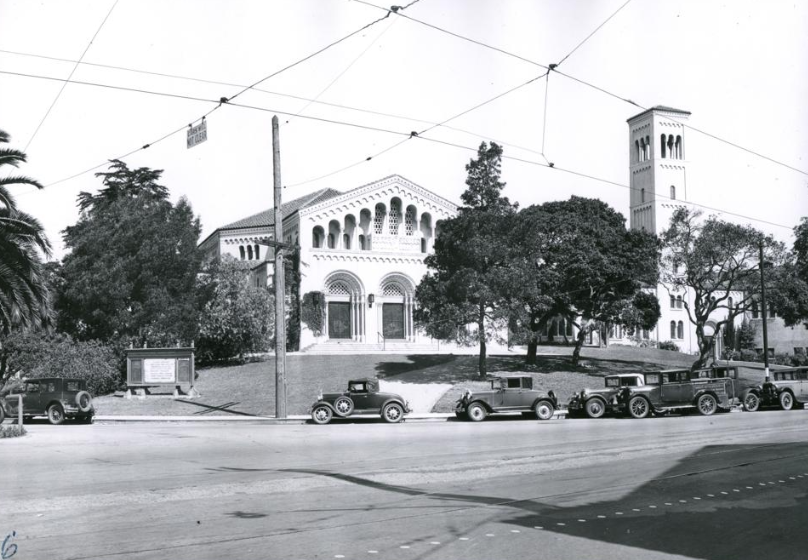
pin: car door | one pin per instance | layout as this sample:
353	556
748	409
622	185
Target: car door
674	391
31	398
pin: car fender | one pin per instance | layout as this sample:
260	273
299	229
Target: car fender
397	401
548	398
322	403
481	402
710	392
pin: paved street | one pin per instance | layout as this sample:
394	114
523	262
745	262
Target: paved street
732	486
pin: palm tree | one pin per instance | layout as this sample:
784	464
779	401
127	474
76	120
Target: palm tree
24	300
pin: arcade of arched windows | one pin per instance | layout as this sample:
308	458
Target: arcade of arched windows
352	233
671	147
643	218
642	149
249	252
677	330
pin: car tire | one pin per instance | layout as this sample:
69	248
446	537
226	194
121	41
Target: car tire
343	406
393	413
84	401
544	410
56	414
321	415
786	400
706	405
476	412
639	407
595	408
751	402
2	413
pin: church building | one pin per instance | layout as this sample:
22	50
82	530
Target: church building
363	249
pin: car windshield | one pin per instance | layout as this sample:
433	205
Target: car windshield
72	385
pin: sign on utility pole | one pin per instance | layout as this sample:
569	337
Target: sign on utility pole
197	134
280	291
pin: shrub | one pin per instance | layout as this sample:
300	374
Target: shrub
668	345
749	355
731	355
58	355
12	431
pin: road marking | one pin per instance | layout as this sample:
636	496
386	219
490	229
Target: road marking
711	495
464	538
582	521
696	498
781	481
750	487
618	513
652	507
771	483
515	531
404	546
373	551
489	534
735	490
668	504
725	493
761	484
339	556
537	527
561	524
791	478
435	542
682	501
635	509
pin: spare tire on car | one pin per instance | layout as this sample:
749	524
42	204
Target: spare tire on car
84	401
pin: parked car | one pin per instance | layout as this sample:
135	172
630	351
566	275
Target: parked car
54	397
507	394
597	402
705	390
788	387
362	397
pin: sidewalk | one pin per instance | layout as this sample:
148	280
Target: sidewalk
292	419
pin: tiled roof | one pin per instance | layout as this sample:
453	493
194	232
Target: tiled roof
267	217
663	108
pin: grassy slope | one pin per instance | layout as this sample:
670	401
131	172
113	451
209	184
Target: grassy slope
250	389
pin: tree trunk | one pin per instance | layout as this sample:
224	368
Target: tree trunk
579	342
532	346
481	334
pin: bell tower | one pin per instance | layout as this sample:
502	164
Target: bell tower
658	167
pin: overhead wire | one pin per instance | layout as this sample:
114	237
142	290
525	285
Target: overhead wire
55	99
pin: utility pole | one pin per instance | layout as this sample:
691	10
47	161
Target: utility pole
763	314
280	291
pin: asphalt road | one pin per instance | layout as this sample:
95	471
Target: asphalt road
728	487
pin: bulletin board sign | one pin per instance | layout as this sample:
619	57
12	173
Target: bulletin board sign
157	367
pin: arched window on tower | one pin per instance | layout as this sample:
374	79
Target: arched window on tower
317	237
673	329
241	251
680	330
673	192
637	150
642	196
249	252
362	242
642	149
679	302
662	144
647	148
346	241
673	301
679	151
332	241
257	253
671	147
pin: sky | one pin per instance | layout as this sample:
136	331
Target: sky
740	68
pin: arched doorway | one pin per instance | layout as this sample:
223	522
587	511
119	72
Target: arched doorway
344	313
395	307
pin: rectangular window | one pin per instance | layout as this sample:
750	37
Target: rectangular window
514	384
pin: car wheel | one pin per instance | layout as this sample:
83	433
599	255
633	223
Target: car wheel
544	410
707	405
751	402
2	413
639	407
343	406
393	413
786	400
595	408
476	412
56	415
84	401
321	415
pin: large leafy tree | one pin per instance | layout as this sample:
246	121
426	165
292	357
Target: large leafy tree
463	287
24	300
714	261
237	317
789	282
133	262
578	261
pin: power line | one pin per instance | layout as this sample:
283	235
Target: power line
591	34
583	82
55	99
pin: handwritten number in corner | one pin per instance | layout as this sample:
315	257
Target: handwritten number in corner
9	549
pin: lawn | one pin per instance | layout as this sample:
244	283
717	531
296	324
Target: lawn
249	389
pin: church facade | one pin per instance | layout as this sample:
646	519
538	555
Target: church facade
363	249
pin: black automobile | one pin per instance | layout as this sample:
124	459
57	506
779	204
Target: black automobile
57	398
597	402
362	397
507	394
788	388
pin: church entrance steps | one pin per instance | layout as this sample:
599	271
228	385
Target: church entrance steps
350	347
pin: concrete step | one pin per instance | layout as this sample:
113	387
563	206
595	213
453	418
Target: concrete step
350	347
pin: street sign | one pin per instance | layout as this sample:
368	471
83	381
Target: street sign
197	134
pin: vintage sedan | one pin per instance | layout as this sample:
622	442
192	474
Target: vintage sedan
362	397
597	402
706	390
57	398
787	389
507	394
